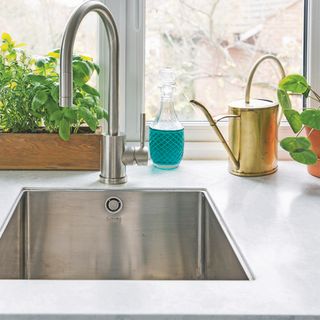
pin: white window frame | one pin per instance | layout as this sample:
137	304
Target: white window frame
200	140
312	43
129	17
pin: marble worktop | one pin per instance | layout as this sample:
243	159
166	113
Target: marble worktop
275	220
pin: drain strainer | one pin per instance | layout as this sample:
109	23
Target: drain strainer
113	205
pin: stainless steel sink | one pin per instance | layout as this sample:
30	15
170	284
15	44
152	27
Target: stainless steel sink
145	235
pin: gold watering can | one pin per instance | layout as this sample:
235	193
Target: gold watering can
253	130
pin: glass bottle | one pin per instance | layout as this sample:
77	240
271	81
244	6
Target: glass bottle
166	133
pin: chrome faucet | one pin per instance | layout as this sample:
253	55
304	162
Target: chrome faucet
115	154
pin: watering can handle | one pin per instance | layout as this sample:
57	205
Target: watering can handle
254	69
213	123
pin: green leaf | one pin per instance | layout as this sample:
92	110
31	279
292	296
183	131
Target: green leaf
284	99
41	62
54	55
55	93
36	114
311	118
97	68
12	56
306	93
292	144
70	114
99	112
20	45
78	96
89	118
294	83
81	72
57	115
64	129
93	66
304	156
4	47
76	58
90	90
294	119
6	36
39	99
36	78
89	63
51	106
88	101
86	58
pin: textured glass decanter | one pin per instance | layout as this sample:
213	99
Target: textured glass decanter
166	133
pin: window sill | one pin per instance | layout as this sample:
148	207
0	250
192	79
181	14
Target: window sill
201	143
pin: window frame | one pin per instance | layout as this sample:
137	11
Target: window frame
312	43
129	17
200	140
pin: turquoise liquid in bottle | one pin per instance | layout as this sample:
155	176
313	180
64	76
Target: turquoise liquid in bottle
166	133
166	147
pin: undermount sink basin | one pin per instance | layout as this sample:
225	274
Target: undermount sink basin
156	235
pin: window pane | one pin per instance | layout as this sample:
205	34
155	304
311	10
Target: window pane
212	45
40	24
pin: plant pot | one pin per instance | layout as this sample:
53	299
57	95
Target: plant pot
46	151
314	137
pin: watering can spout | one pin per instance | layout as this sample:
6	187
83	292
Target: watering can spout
213	123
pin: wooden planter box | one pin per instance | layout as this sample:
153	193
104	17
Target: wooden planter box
46	151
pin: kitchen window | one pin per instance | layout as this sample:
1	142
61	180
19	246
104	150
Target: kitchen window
211	44
40	24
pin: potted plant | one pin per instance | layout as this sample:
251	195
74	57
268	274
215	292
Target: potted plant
36	133
305	150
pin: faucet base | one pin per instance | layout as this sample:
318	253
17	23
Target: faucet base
113	180
113	170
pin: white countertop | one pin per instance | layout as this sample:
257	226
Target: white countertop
275	221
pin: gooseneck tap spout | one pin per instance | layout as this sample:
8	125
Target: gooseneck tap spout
115	155
66	84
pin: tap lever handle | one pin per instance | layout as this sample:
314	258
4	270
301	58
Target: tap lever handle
138	154
141	152
142	129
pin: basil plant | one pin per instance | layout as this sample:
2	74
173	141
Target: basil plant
29	93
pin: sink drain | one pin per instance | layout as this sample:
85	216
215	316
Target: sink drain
113	205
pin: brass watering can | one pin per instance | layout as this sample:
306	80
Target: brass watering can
253	130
